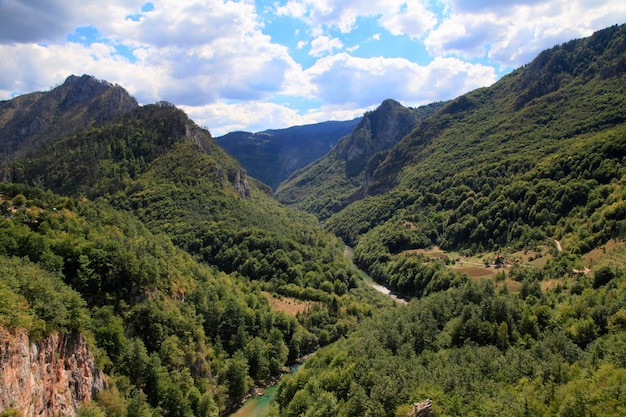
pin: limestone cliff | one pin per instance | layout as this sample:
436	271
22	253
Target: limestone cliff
48	377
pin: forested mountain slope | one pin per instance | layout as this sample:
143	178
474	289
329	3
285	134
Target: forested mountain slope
141	234
529	175
148	238
329	184
537	156
272	155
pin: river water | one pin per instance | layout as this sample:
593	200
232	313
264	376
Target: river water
369	281
258	405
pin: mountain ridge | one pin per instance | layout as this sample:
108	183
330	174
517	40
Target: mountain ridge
166	255
34	119
274	154
144	235
484	174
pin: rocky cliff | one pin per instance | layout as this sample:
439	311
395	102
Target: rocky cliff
46	378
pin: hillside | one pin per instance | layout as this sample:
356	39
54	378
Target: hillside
152	242
501	215
272	155
329	184
537	156
34	119
504	216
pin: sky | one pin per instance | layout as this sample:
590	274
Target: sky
267	64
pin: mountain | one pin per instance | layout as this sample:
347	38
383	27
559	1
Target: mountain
38	118
532	158
503	216
143	235
272	155
328	184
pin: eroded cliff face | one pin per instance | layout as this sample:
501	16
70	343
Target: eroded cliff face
49	377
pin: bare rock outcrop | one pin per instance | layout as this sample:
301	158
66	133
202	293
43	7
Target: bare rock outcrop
48	377
423	409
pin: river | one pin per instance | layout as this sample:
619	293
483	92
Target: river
259	405
369	281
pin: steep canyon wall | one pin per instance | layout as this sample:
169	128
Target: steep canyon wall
48	377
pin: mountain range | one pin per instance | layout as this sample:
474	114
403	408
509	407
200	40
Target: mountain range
333	182
183	281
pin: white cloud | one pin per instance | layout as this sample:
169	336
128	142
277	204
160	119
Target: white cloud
512	33
188	24
190	53
221	118
464	35
410	18
324	45
397	16
293	8
31	21
49	66
358	83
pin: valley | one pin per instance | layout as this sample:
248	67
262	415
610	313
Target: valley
470	252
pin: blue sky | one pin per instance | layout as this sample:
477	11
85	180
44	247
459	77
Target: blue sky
254	65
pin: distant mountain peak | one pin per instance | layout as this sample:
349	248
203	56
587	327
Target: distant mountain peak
378	130
85	78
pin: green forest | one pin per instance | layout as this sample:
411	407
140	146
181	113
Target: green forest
159	250
146	237
528	177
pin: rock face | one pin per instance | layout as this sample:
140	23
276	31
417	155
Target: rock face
46	378
378	130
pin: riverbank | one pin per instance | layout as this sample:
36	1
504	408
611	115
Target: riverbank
348	253
258	402
257	405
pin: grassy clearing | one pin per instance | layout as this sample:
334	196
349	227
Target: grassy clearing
481	266
614	251
288	305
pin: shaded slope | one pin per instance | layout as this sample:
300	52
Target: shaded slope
272	155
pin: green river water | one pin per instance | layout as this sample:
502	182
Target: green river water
257	406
